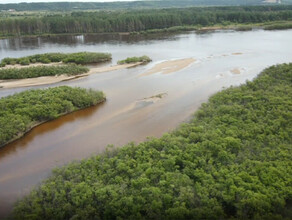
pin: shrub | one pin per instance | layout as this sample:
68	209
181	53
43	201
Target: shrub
143	59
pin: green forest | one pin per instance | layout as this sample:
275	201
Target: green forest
77	58
233	160
22	111
140	20
37	71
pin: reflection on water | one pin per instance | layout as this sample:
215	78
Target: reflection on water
20	43
47	127
124	117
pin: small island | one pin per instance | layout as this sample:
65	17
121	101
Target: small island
42	70
21	112
77	58
142	59
48	68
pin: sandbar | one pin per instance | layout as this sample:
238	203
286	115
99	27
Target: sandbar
169	66
44	80
235	71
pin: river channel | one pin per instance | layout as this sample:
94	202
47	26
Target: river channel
222	59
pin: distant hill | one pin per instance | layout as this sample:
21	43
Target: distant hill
69	6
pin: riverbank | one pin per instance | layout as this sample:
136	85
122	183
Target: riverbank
44	80
276	25
24	111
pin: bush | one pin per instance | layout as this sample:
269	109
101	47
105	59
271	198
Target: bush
77	58
143	59
24	61
37	71
87	58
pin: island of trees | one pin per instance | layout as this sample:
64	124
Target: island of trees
23	111
37	71
62	64
142	20
232	161
77	58
142	59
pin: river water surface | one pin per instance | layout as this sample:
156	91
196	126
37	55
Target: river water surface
223	58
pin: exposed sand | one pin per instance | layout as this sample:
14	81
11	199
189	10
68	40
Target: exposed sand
235	71
54	79
169	66
237	53
112	68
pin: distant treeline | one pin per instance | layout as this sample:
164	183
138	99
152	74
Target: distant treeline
232	161
69	6
20	112
141	20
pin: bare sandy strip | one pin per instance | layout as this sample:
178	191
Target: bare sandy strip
44	80
235	71
169	66
112	68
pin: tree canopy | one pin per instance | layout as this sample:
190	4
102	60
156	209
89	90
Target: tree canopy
20	112
140	20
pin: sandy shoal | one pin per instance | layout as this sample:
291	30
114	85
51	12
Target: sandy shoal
169	66
44	80
235	71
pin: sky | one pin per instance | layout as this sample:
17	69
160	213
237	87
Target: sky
18	1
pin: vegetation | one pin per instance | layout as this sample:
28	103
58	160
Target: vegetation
22	111
279	26
232	161
143	59
140	20
37	71
77	58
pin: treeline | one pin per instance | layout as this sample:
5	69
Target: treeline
37	71
232	161
22	111
141	20
77	58
69	6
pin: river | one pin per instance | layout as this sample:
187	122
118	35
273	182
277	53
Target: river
223	58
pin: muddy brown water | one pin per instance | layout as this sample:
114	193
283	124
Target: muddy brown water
126	116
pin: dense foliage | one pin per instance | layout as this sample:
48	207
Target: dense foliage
37	71
20	112
140	20
233	160
77	58
143	59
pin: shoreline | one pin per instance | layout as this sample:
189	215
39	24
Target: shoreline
20	135
45	80
236	27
